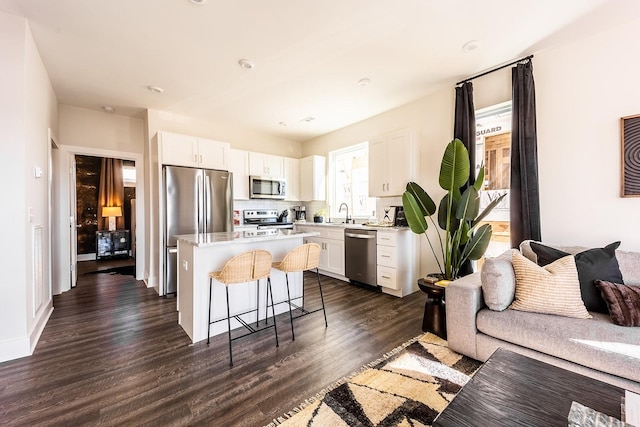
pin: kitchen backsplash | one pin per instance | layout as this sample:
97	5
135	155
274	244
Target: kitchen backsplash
313	207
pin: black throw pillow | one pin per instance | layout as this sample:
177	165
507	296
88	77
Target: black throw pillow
592	264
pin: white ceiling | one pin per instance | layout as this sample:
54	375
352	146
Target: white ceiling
308	55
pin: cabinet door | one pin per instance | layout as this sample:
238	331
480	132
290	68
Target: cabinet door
213	154
292	178
378	167
312	178
398	160
334	256
179	150
275	166
239	166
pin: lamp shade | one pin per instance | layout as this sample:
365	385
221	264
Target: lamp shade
111	211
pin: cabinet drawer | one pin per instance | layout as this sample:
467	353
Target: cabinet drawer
387	277
387	256
387	239
337	234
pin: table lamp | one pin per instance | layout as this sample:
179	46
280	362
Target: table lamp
112	212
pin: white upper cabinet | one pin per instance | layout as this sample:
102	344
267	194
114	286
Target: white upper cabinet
261	164
239	166
185	150
292	179
392	160
313	178
213	154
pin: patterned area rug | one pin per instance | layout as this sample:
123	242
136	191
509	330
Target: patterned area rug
408	387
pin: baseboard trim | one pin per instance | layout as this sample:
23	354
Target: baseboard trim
14	349
39	327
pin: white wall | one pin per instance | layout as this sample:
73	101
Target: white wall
98	129
583	89
27	111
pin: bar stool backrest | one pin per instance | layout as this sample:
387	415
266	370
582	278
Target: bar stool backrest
245	267
305	257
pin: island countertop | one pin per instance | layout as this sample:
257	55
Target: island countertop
245	236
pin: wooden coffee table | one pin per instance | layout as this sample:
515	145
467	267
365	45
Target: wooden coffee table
515	390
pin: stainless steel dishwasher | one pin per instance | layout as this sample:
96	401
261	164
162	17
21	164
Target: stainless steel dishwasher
360	256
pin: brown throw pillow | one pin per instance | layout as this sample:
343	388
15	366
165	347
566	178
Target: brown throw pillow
552	289
623	302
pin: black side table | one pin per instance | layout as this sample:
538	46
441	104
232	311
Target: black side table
434	319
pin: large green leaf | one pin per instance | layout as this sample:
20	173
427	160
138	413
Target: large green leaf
425	202
478	244
479	182
443	210
469	204
454	169
489	208
413	213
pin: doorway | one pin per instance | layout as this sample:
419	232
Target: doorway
66	257
97	248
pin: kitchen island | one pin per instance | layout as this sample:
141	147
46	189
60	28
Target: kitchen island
200	254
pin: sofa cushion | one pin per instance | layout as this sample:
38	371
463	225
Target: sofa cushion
498	281
596	343
592	264
552	289
623	302
629	263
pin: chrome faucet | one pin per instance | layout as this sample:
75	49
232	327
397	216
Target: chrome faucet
346	219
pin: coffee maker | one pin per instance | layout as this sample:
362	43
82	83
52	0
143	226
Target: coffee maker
399	218
300	213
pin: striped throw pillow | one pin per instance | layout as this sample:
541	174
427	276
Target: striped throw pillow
552	289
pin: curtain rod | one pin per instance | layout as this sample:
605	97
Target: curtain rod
527	58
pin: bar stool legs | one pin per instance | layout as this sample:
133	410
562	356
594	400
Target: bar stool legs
243	268
326	325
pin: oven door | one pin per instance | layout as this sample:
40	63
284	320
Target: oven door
266	188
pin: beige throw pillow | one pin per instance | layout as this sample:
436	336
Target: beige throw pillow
552	289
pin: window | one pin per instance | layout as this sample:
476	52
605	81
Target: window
493	148
349	181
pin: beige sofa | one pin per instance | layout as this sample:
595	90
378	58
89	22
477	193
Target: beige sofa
594	347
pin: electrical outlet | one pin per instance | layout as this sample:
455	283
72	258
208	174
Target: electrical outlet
185	265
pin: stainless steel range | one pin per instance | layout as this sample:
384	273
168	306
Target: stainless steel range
267	219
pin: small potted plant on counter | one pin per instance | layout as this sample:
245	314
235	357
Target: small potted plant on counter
319	216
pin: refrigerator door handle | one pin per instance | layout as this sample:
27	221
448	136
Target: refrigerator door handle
198	199
207	200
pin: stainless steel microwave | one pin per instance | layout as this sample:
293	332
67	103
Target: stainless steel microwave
262	187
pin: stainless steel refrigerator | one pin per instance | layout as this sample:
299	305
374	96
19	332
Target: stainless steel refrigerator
195	201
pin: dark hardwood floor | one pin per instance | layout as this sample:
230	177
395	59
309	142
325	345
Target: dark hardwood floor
114	354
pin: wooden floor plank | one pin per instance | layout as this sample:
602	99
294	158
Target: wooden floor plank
113	354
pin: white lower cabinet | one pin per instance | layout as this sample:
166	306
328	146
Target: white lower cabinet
397	262
331	241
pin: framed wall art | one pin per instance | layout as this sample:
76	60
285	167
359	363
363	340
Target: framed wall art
630	131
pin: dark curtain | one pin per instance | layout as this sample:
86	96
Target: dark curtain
464	127
111	191
524	194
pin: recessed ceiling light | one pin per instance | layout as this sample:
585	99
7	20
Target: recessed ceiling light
155	89
364	82
198	2
246	64
471	46
283	123
108	109
308	119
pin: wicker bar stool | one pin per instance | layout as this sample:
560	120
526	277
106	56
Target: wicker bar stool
302	258
243	268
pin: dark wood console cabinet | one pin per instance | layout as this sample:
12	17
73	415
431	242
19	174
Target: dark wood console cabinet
111	244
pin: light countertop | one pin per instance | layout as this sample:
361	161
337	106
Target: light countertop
246	236
342	225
